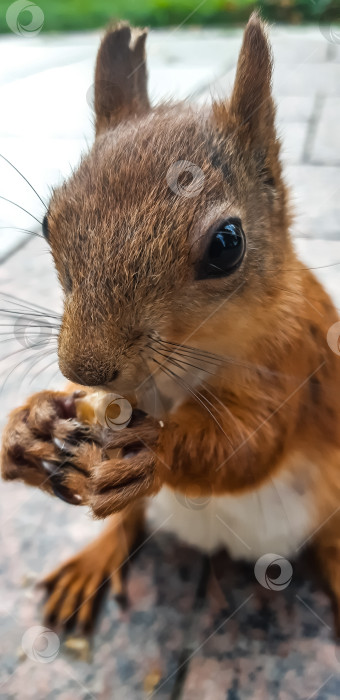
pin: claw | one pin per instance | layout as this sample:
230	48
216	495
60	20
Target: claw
50	467
58	488
64	493
64	446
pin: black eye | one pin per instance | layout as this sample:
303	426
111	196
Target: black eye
225	251
45	227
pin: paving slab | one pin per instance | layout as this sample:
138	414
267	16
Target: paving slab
130	647
305	79
326	142
294	108
315	197
252	642
293	139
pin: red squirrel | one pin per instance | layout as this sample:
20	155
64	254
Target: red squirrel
172	245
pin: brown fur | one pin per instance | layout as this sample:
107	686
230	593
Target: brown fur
125	248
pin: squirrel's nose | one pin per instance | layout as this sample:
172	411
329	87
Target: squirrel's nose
88	377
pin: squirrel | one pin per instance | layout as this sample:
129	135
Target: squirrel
172	246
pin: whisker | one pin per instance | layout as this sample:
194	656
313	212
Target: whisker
41	336
154	385
36	359
28	317
225	408
225	360
53	375
22	208
201	395
187	348
25	313
199	400
188	351
30	305
183	362
43	369
42	343
36	333
23	361
23	230
24	178
212	358
24	325
304	269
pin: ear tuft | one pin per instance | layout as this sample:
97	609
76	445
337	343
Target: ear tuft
254	70
251	106
120	77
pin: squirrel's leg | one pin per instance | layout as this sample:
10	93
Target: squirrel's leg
327	547
73	586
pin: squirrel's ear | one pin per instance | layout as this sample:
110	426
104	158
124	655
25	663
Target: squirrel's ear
251	107
120	88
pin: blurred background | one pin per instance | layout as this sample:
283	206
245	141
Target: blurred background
196	628
77	15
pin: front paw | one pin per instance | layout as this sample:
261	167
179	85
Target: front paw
44	445
133	473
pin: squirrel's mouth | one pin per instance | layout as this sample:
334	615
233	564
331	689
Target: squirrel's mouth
162	376
164	390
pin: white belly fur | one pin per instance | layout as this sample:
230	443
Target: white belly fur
277	517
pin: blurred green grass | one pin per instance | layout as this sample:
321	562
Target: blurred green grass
66	15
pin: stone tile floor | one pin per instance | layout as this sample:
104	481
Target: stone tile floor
196	628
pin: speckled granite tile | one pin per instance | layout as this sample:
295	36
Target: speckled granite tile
131	648
250	642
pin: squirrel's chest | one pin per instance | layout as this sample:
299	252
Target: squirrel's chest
277	517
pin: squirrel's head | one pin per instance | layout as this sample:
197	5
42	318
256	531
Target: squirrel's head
175	224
